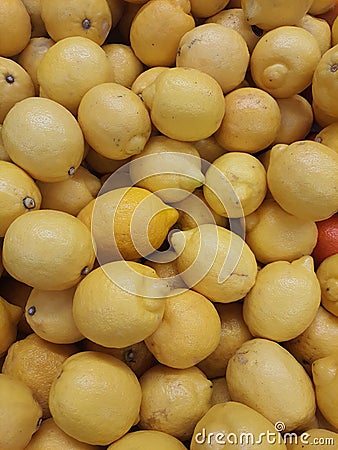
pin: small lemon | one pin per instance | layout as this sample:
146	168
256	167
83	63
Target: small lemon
283	63
319	28
50	315
48	249
189	331
327	274
96	398
170	168
83	60
185	104
9	318
174	400
199	8
20	414
266	377
18	194
220	393
153	440
15	26
215	262
125	67
238	173
275	235
145	78
114	121
50	144
323	116
284	300
328	136
119	304
302	178
251	121
202	45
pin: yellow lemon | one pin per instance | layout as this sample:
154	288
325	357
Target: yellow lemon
316	436
283	63
275	235
9	318
319	28
157	29
50	315
174	400
15	26
251	121
189	331
20	414
267	15
127	223
83	60
114	121
327	274
145	78
215	262
48	249
36	363
125	66
127	308
170	168
284	300
199	8
153	440
185	104
18	194
266	377
220	393
224	423
50	144
3	154
78	18
302	178
50	436
234	332
96	398
202	45
235	173
15	85
328	136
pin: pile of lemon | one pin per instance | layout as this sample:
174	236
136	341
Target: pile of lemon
163	164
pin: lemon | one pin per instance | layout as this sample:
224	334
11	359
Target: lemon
209	149
316	436
224	424
18	194
50	315
3	154
145	78
244	175
267	15
80	18
185	104
328	136
321	6
101	165
15	26
38	28
220	393
50	144
317	341
199	8
283	63
275	235
48	249
125	66
319	28
15	85
215	262
170	168
83	60
9	318
234	332
328	278
270	309
324	372
127	223
114	120
20	414
200	46
189	331
266	377
174	400
153	440
157	29
50	436
95	399
251	121
302	178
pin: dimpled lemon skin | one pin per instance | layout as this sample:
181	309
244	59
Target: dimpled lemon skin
149	439
185	104
96	398
302	178
114	121
48	250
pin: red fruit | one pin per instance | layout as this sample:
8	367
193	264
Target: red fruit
327	241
